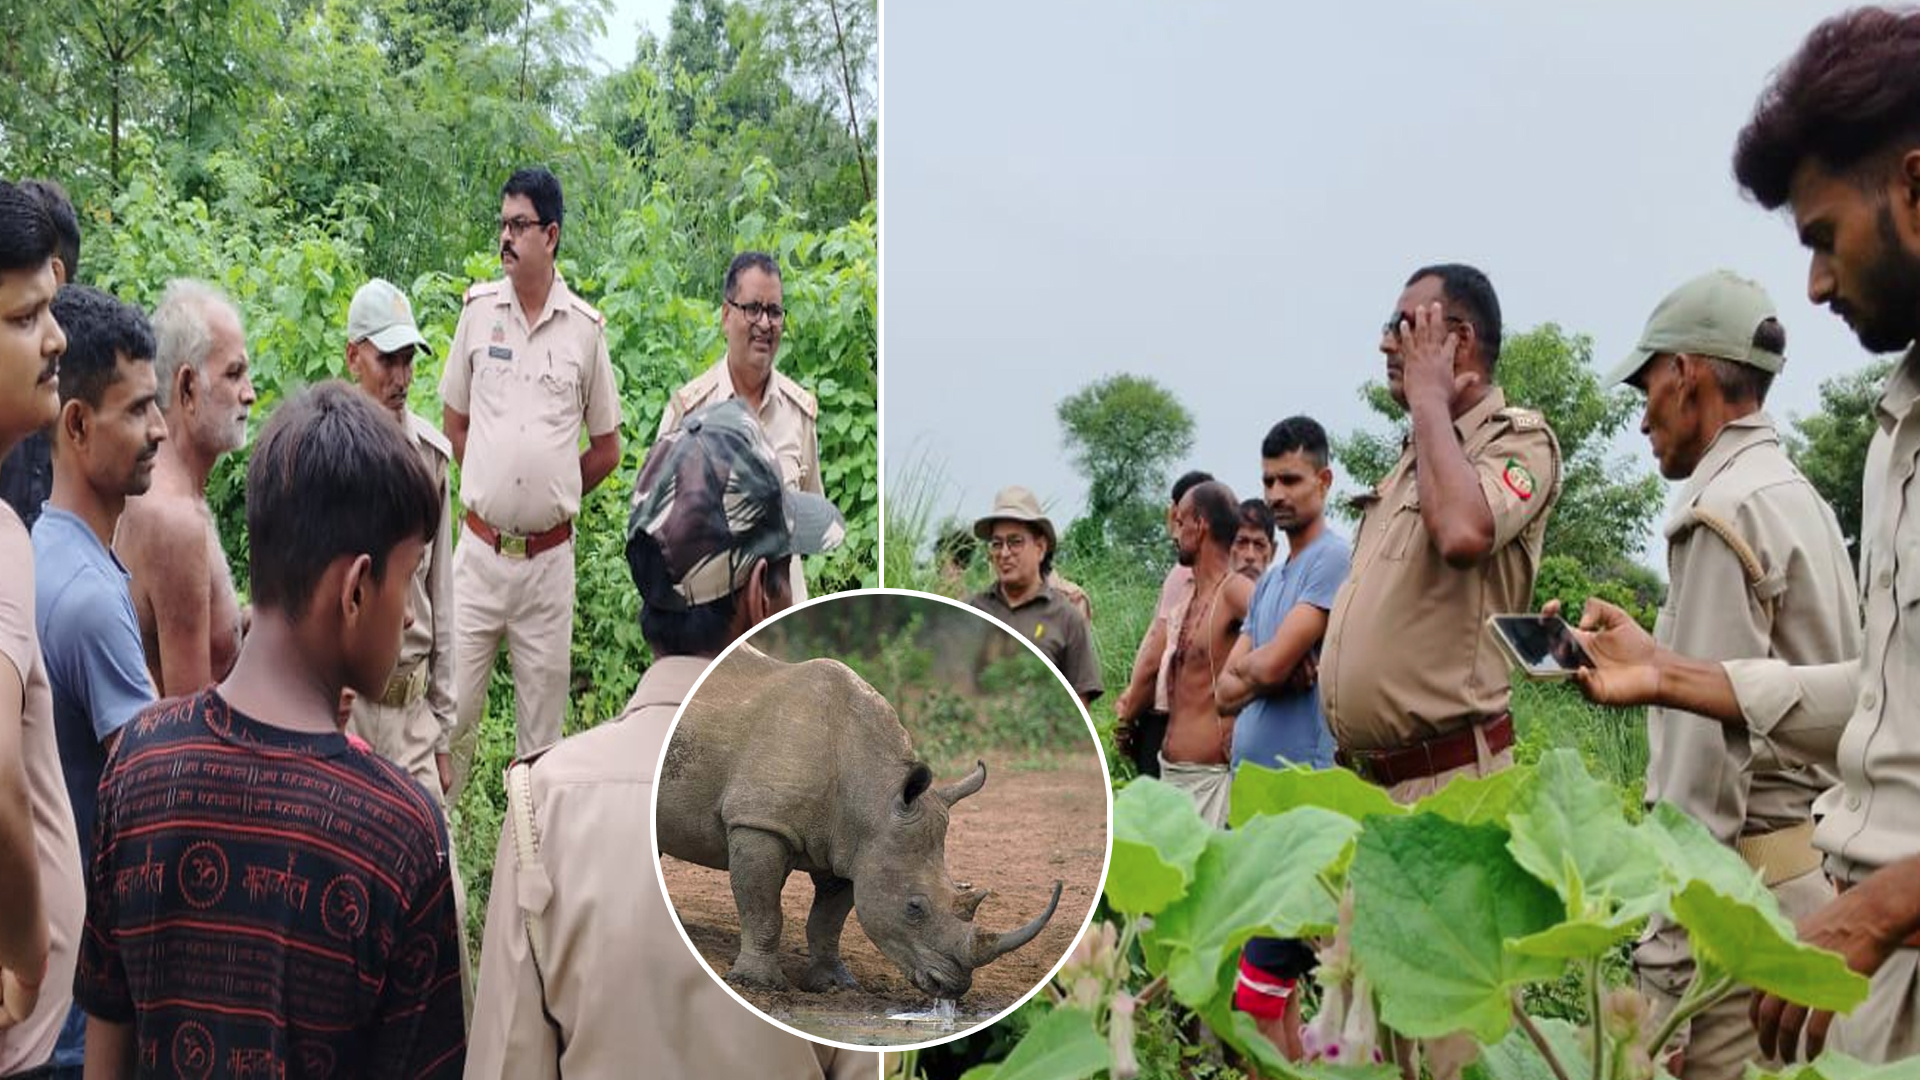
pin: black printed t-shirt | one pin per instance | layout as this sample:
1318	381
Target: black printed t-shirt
269	903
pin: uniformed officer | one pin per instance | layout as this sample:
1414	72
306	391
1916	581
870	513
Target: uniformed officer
1020	545
1756	567
583	972
1414	690
1847	166
528	369
752	317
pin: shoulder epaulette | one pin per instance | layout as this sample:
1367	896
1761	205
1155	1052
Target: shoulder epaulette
587	309
1523	419
479	289
430	435
801	395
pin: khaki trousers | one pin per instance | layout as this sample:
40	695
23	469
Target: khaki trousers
405	736
1886	1026
530	603
1719	1043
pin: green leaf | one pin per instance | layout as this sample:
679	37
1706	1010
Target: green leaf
1439	902
1582	940
1157	838
1516	1058
1260	880
1477	800
1260	790
1569	832
1836	1066
1740	940
1063	1045
1692	854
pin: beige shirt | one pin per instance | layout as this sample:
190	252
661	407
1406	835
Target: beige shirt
1407	656
1803	610
63	897
528	386
620	994
429	640
1865	714
787	414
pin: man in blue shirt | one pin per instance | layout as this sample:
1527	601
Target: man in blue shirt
103	442
1270	680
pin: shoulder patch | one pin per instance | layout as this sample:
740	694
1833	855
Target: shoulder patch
1519	479
480	289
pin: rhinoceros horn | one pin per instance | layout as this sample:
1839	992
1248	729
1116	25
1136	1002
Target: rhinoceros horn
968	902
964	786
988	947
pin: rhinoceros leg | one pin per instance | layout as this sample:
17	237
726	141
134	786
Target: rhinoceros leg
832	900
758	863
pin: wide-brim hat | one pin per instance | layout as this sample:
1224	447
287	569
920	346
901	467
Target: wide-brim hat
1017	504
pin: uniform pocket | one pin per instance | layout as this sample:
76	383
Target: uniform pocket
1404	529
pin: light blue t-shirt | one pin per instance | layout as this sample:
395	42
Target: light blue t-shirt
91	642
1289	728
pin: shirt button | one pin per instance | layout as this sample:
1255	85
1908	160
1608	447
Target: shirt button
1853	802
1869	700
1885	579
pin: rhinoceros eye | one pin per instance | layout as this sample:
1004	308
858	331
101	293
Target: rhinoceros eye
916	908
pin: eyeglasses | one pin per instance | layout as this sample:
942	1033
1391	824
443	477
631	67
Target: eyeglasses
1392	325
1014	544
754	309
518	225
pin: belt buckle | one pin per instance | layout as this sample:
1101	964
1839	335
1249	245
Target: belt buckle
513	546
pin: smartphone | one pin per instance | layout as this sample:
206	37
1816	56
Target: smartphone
1543	646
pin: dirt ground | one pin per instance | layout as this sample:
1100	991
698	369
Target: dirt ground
1017	835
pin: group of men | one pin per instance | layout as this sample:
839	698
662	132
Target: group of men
223	828
1781	720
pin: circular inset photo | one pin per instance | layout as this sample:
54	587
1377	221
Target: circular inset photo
882	819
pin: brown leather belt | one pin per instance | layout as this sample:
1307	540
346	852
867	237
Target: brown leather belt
1431	757
515	546
1913	939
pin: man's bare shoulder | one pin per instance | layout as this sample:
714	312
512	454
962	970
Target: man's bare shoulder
157	526
1239	594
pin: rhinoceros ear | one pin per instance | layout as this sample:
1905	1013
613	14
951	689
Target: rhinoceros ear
919	778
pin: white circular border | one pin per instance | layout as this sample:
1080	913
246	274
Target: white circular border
653	822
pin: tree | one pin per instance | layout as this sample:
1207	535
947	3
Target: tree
1606	504
1830	446
1124	432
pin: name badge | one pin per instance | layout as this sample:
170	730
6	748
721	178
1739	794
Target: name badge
499	352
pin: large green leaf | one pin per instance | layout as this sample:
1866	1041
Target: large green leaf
1437	903
1834	1066
1260	790
1568	831
1477	800
1260	880
1692	854
1580	940
1157	838
1739	939
1517	1058
1062	1045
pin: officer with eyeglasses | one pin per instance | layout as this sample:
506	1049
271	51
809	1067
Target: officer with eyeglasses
528	368
752	318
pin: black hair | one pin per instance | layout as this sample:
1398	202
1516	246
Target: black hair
65	222
332	475
1469	292
27	234
100	329
542	189
1256	513
1851	92
748	260
1297	433
1187	482
956	545
1215	504
703	629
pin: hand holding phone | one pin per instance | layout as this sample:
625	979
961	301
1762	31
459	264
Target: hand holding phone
1542	646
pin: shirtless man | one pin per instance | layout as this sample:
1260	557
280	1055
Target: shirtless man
182	590
1204	629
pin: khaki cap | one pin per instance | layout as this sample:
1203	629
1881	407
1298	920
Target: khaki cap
1714	315
1016	504
380	314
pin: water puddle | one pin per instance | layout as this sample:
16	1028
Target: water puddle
885	1027
941	1013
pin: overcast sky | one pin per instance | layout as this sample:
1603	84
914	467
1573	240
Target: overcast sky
614	49
1228	197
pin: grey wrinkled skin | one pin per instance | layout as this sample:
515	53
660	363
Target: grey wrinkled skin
777	768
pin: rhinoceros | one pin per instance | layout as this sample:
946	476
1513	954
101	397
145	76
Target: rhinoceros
779	767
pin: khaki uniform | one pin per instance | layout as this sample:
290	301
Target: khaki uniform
1864	715
1407	655
414	721
1797	603
787	415
529	385
617	988
1057	627
63	900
